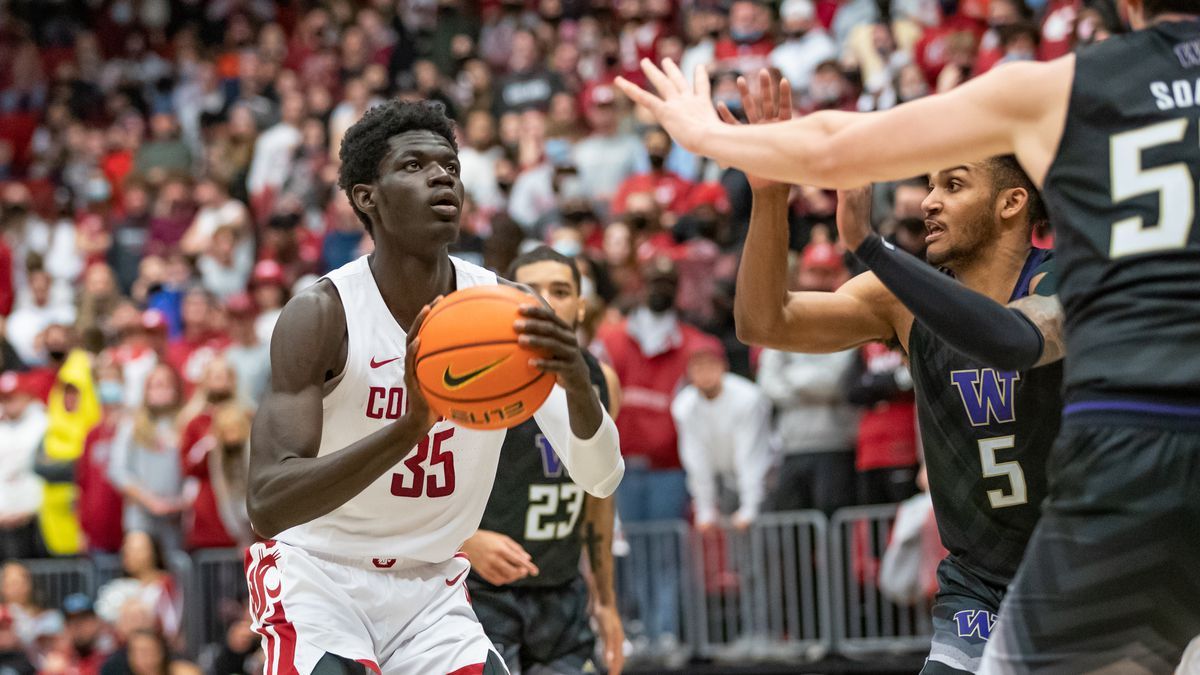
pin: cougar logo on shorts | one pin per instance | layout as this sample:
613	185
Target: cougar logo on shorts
975	623
266	609
265	587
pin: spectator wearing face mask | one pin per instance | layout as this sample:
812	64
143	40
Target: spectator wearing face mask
669	190
200	341
649	352
32	317
748	45
806	44
100	503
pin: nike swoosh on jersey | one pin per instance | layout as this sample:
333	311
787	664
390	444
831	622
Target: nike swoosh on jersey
378	364
451	582
453	382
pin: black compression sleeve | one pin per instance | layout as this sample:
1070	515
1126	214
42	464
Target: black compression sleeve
970	322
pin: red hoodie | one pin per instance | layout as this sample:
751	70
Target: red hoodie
99	504
648	384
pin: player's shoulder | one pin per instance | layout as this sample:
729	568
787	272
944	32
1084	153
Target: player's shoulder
311	328
476	275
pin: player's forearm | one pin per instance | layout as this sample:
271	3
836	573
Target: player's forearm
598	538
796	151
970	322
595	462
758	306
288	490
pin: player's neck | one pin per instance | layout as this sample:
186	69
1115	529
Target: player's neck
994	272
408	283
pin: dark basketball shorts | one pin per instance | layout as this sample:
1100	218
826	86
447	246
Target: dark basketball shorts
538	631
964	613
1111	579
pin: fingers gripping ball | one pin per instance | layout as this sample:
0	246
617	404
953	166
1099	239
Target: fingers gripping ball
470	366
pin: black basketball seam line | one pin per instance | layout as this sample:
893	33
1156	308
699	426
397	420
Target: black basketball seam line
492	397
490	343
445	304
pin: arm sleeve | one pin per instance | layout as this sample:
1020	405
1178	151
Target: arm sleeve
968	321
754	458
594	463
697	466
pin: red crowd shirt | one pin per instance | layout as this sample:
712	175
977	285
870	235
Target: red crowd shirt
203	526
887	433
99	502
648	384
670	191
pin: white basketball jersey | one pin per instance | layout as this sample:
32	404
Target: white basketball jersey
430	502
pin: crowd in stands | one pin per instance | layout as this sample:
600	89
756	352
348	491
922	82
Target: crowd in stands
168	180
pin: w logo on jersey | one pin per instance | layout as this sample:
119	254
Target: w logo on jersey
975	623
551	464
987	395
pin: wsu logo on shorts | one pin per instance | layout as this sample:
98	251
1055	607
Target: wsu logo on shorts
265	583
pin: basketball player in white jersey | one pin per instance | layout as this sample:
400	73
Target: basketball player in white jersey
363	493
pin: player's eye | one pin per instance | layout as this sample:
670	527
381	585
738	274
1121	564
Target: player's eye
452	169
412	165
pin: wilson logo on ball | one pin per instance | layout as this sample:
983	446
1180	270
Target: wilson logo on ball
453	382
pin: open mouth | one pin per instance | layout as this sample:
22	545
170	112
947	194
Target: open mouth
933	230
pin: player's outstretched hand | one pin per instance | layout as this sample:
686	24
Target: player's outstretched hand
418	411
774	104
854	216
685	111
498	558
542	330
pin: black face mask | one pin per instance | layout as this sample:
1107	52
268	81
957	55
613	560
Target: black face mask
232	448
638	221
505	186
659	301
56	355
657	162
611	60
219	396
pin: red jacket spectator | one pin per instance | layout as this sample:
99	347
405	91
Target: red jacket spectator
669	190
99	503
1058	29
202	525
748	46
650	352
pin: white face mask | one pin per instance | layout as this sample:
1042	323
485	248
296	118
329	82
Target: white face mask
587	288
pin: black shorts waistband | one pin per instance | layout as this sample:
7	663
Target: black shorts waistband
1160	413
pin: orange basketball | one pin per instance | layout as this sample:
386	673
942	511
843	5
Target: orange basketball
470	366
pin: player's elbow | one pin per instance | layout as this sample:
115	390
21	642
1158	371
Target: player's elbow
606	486
264	517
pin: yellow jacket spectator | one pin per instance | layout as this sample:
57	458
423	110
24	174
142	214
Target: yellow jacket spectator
73	409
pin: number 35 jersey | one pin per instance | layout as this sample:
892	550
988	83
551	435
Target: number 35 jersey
1122	195
535	502
987	435
432	500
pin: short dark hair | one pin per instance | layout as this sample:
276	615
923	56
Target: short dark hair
545	254
365	143
1007	174
1155	7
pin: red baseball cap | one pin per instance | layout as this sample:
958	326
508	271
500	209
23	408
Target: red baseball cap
599	94
241	305
711	194
12	382
268	272
821	254
154	321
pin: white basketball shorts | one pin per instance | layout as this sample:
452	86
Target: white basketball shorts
394	617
